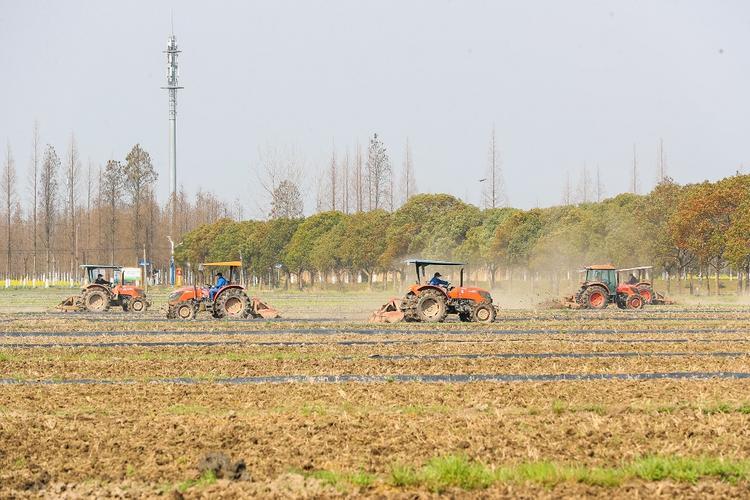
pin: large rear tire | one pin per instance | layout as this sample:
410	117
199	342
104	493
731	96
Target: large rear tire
233	304
431	306
409	307
595	297
96	300
483	313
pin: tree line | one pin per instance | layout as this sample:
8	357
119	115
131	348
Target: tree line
685	231
67	214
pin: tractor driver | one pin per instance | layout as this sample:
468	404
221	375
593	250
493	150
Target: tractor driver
101	281
436	281
632	280
221	282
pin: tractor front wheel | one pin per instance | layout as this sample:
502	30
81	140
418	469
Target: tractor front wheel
595	297
137	305
483	313
185	311
634	301
647	293
431	306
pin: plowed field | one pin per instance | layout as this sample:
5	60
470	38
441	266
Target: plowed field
539	404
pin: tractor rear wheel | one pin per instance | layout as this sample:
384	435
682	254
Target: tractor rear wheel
233	304
96	300
409	307
647	293
137	305
483	313
595	297
634	301
431	306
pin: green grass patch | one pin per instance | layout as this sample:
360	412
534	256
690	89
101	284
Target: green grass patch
206	479
717	408
458	471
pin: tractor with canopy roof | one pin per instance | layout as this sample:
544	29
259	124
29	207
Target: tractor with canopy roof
433	303
99	297
230	301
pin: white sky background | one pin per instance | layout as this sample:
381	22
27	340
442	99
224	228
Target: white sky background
563	82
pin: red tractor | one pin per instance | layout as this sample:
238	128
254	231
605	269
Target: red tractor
432	303
230	301
640	277
99	297
602	286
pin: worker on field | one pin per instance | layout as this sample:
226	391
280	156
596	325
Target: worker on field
221	282
632	280
101	281
436	281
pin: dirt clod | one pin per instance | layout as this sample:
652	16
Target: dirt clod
223	467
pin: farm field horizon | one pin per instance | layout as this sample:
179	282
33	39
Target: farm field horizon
542	403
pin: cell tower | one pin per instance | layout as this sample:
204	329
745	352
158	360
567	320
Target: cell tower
172	87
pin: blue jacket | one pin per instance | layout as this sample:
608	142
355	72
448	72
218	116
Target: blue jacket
221	282
435	281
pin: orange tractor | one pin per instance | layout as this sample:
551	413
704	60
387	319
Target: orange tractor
640	277
432	303
99	297
230	301
602	286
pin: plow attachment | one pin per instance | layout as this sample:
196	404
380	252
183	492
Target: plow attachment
71	304
390	312
660	299
263	310
568	302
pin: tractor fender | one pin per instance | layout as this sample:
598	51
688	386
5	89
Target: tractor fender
587	284
228	287
103	288
432	287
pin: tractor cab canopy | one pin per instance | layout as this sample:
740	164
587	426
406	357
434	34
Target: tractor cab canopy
641	273
234	267
420	266
603	273
92	270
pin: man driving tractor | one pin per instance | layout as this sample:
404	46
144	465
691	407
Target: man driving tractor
221	282
101	281
436	281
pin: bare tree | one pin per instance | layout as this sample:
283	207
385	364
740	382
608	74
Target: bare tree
661	163
286	201
634	173
408	179
584	185
89	192
345	184
332	181
34	188
275	167
599	186
112	182
494	192
48	186
358	181
378	174
71	198
567	195
9	198
139	176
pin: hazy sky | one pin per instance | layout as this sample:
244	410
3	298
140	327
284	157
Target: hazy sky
563	82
